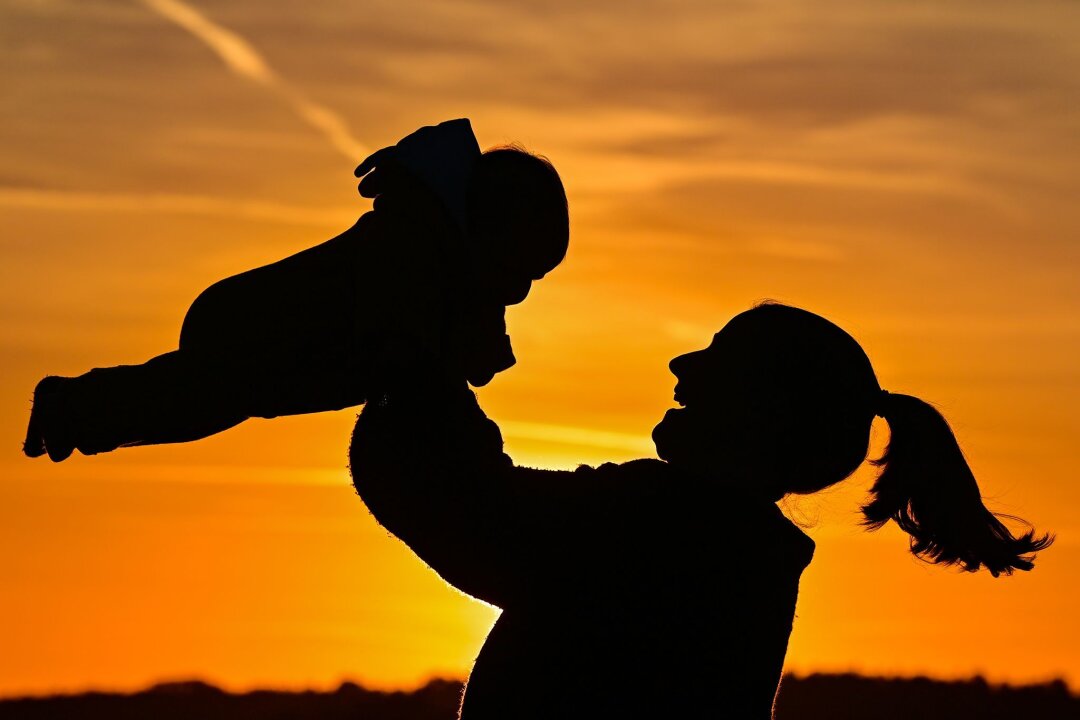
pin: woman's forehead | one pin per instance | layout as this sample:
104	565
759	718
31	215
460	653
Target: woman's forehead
743	336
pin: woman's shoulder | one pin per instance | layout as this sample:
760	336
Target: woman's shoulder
635	480
758	530
799	546
662	488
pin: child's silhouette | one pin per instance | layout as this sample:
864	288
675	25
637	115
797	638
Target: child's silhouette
664	588
454	237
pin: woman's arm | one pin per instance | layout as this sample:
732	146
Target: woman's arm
430	466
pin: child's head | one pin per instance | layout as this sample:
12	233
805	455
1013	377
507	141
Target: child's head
782	402
519	224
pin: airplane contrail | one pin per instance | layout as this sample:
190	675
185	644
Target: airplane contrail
245	61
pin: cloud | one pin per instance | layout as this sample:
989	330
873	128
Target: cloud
788	64
569	435
97	202
245	61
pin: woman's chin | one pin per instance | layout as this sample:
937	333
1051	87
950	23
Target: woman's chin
667	430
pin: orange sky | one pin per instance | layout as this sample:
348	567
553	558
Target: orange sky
908	170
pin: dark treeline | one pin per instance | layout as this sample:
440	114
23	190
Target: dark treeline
438	700
816	697
853	697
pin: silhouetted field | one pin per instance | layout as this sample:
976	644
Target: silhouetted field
816	697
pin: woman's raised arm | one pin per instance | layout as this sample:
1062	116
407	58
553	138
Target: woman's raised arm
430	466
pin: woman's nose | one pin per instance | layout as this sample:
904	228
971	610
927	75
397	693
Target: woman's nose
681	364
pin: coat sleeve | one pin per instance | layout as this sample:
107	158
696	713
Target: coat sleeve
431	468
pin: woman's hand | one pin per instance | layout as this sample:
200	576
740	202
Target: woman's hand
379	172
439	157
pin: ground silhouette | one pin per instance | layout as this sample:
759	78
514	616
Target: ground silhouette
815	697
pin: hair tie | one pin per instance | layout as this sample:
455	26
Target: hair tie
882	399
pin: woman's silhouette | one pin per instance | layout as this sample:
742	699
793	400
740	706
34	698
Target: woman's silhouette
664	588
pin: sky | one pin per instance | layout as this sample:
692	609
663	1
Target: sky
908	170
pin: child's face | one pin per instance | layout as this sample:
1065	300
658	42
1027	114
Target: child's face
501	277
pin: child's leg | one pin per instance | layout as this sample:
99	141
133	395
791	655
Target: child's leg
165	400
291	337
282	339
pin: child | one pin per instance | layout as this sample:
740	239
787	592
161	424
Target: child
664	588
452	228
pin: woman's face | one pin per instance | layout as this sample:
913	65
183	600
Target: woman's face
694	433
773	387
731	402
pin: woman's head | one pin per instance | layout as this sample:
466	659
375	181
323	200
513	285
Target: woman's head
782	398
782	402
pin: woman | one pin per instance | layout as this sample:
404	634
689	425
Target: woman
664	588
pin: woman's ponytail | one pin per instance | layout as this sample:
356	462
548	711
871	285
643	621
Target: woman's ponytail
927	487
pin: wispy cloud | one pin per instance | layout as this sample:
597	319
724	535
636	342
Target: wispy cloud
584	437
74	201
241	57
